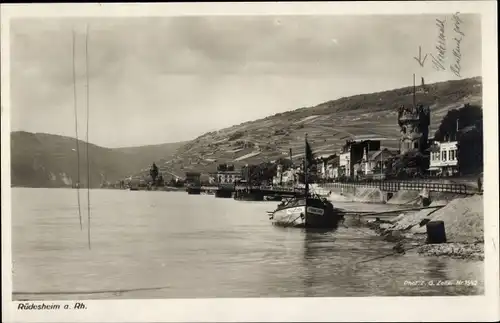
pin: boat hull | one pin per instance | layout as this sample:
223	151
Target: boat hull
248	196
223	194
317	215
273	198
289	217
194	190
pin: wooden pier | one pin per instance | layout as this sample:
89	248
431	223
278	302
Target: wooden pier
227	191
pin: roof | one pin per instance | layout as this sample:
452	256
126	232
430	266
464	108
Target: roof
235	172
361	138
325	156
433	148
468	128
372	155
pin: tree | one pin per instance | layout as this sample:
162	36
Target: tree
225	168
466	126
153	172
412	163
456	119
160	181
285	163
260	174
470	151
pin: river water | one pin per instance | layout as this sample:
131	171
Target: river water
200	246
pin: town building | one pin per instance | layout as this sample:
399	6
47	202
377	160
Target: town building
345	164
443	158
228	177
374	163
279	175
352	154
285	178
332	172
193	178
321	165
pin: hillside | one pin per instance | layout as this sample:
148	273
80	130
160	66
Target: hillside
45	160
328	126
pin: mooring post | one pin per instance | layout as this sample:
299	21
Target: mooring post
435	232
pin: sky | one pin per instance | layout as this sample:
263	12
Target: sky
169	79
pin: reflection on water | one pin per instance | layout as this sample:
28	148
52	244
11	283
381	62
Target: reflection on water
437	269
200	246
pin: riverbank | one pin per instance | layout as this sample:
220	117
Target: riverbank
463	219
363	194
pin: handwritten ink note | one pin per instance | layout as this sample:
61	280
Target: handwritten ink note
438	60
459	35
441	59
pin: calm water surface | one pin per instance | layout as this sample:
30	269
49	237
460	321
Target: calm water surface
202	246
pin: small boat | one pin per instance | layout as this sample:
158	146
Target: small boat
248	195
274	198
309	210
193	190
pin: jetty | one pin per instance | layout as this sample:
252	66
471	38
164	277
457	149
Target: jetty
252	192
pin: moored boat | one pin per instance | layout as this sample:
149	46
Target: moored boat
313	212
274	198
248	195
309	210
193	190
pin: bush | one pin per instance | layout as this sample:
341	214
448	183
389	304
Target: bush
470	151
469	135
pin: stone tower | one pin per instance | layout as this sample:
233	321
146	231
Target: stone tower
414	128
414	124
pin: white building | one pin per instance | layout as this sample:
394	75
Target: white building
228	177
279	175
374	159
443	158
332	172
284	177
321	169
345	164
287	178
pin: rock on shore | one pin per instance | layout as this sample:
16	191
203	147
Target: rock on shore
463	219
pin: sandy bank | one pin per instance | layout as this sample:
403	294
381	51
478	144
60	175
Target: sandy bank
354	194
463	219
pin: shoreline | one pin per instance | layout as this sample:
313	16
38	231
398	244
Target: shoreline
463	219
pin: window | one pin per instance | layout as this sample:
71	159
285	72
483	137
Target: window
443	155
452	155
415	144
